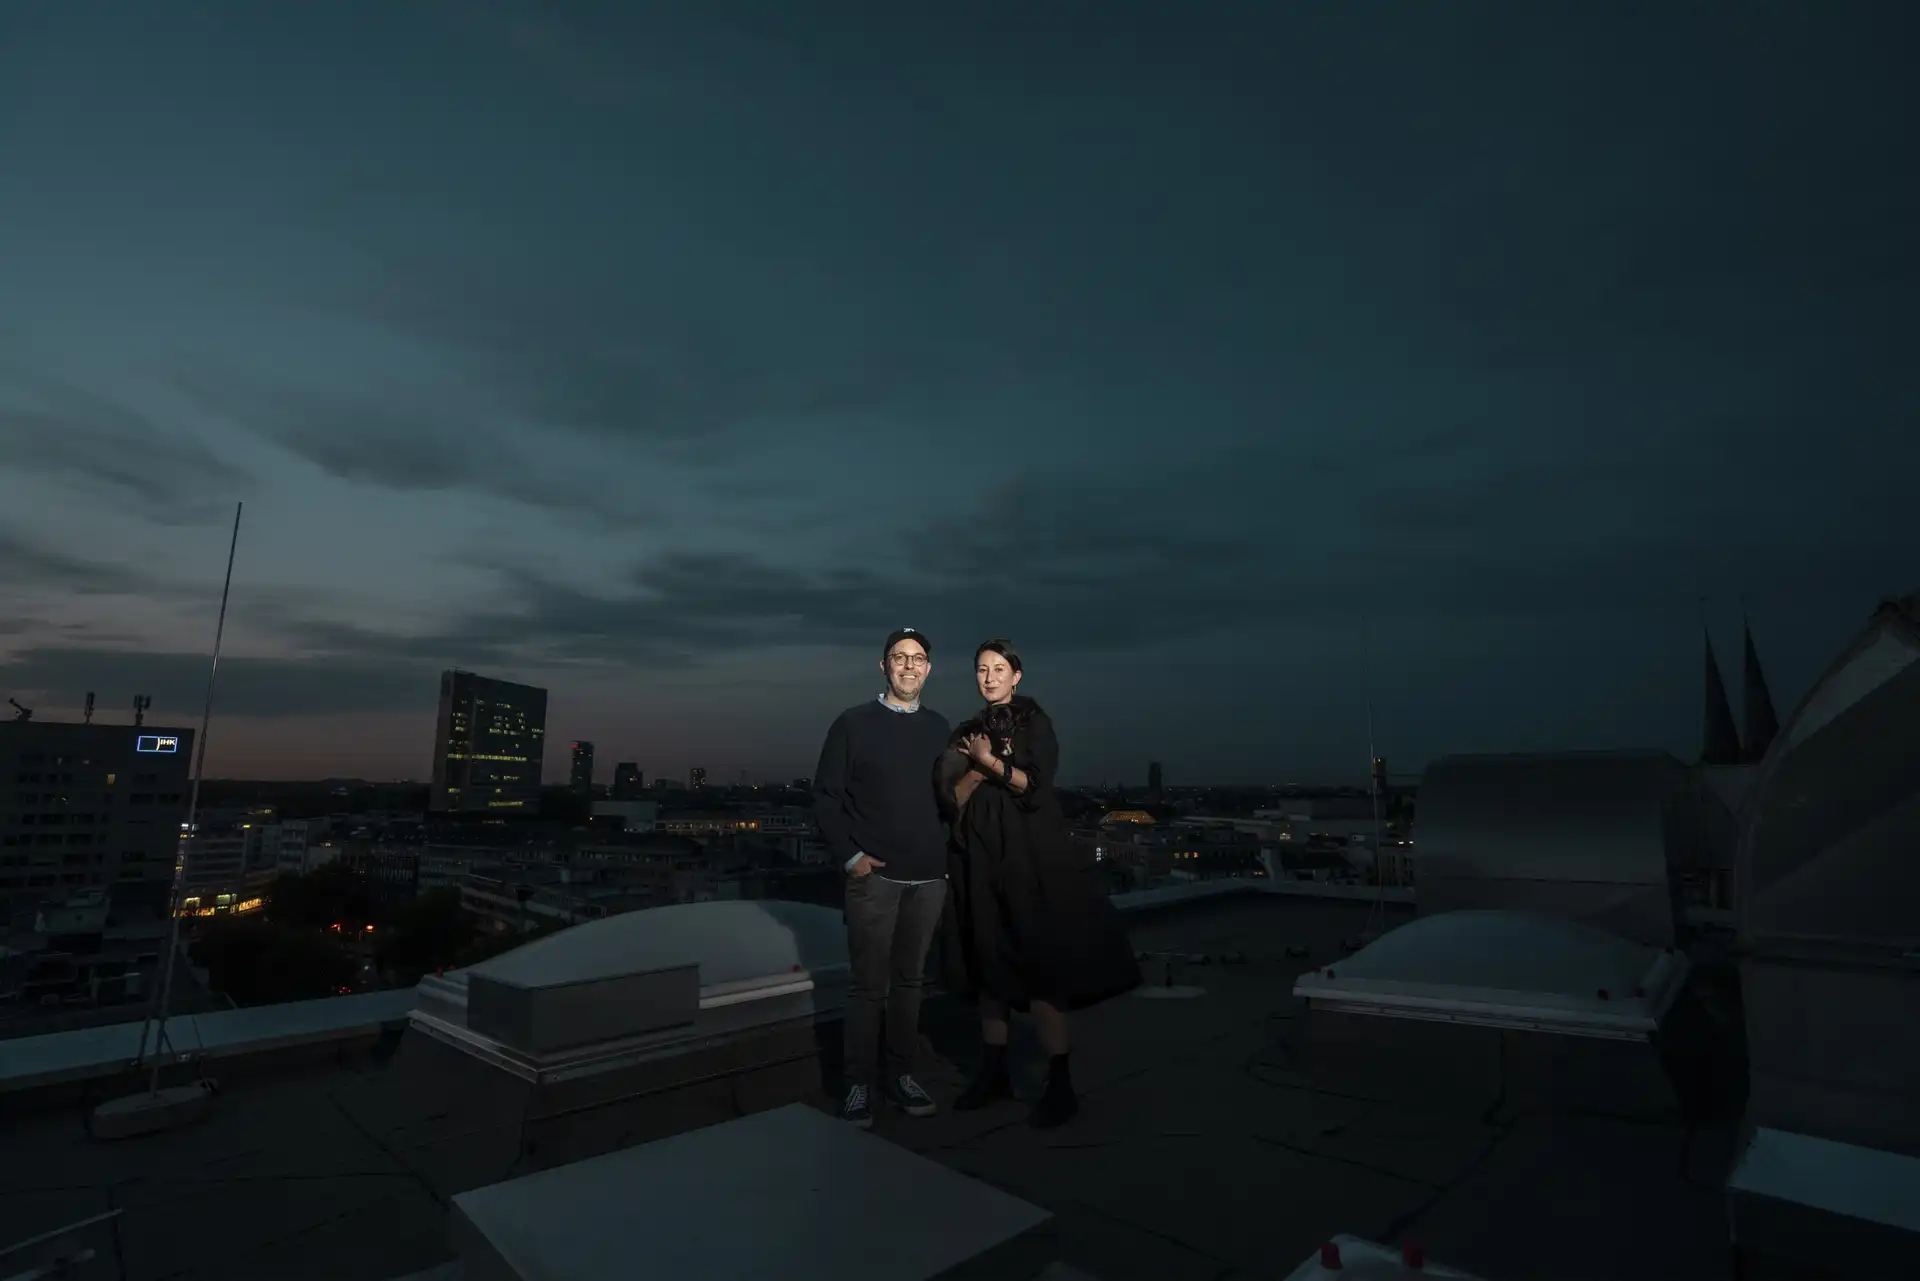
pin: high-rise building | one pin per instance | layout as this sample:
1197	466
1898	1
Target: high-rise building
696	778
581	777
1154	789
88	806
627	781
488	745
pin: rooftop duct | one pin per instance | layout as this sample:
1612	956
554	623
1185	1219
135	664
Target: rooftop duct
1593	837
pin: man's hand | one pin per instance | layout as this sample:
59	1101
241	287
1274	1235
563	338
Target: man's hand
980	751
864	865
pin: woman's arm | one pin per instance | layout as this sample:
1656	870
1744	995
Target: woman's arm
964	788
1039	761
1016	779
953	781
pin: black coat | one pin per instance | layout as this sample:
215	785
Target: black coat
1027	918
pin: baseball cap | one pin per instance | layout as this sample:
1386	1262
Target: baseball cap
906	633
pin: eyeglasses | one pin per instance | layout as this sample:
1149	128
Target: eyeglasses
907	660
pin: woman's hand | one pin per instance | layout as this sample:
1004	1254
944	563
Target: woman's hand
980	751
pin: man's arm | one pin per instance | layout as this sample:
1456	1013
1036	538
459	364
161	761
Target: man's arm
830	795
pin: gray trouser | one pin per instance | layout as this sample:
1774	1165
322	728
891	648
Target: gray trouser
889	928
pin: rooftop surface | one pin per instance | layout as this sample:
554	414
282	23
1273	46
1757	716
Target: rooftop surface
1203	1151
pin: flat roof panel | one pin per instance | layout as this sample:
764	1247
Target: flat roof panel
1839	1178
95	1051
792	1193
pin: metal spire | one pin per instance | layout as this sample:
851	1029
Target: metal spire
1761	722
1720	738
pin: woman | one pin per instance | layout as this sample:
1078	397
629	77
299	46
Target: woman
1029	926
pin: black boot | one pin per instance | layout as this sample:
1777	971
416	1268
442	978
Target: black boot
990	1085
1058	1104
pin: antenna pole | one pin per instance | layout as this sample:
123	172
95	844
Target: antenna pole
187	835
1373	787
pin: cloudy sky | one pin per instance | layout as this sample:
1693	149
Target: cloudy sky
1244	362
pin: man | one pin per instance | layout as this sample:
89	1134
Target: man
874	802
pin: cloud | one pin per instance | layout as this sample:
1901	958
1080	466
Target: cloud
27	564
556	55
398	447
668	334
83	439
1177	558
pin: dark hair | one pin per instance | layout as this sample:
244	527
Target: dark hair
999	646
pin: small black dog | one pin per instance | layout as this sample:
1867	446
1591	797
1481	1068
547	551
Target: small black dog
998	721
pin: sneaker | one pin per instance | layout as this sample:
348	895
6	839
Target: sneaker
858	1108
907	1095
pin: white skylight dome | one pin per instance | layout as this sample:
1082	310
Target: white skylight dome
1504	969
609	994
738	944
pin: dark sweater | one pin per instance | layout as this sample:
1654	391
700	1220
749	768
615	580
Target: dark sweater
873	791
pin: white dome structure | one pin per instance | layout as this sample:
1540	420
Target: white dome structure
739	946
1828	907
1505	969
608	993
1490	1007
611	1034
1829	900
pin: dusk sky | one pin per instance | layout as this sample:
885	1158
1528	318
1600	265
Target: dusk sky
1242	362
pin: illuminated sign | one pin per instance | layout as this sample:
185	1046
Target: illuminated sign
158	743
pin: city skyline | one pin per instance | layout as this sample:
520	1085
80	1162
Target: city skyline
1246	371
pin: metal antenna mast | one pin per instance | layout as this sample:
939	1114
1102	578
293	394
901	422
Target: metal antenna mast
1374	783
1379	850
157	1014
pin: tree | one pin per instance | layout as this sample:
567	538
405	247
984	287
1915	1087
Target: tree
258	962
431	932
329	895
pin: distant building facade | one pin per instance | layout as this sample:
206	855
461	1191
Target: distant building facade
696	778
91	807
580	778
631	815
488	745
628	781
215	853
